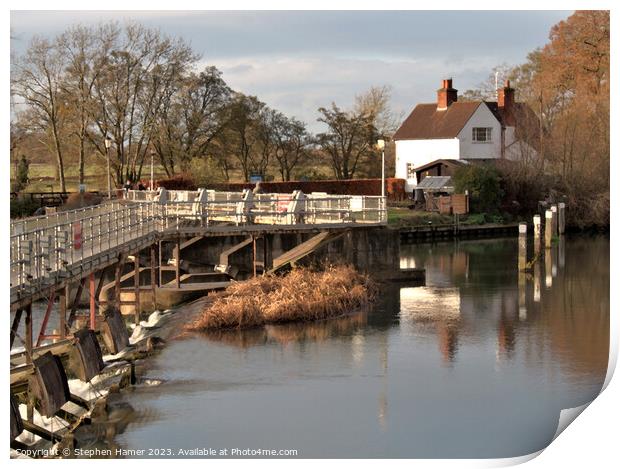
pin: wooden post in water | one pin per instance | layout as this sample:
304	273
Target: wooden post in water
548	228
522	246
561	217
537	227
554	212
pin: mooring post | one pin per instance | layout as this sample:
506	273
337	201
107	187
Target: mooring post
537	227
93	306
136	285
561	217
62	312
548	228
554	212
522	246
153	278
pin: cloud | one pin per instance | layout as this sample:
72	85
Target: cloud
299	86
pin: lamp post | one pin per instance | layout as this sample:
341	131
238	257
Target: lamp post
381	146
152	159
108	144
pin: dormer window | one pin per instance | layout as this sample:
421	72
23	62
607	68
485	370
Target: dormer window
482	134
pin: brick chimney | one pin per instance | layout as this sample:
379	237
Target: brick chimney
446	95
505	103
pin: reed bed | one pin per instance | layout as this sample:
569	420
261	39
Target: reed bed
301	295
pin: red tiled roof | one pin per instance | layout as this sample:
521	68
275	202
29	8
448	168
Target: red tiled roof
425	121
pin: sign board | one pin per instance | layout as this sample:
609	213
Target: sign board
282	203
77	235
82	188
254	178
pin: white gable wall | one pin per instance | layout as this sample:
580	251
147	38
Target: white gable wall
469	149
420	152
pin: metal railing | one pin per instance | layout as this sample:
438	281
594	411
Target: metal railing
47	249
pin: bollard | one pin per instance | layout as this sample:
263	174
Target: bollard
522	246
554	211
548	228
561	217
537	227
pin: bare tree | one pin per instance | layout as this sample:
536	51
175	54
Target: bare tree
37	81
349	139
191	118
142	68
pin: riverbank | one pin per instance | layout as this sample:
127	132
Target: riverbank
301	295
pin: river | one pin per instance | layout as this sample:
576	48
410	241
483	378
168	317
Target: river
477	363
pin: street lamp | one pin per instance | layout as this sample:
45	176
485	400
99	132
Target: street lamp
108	144
381	146
152	158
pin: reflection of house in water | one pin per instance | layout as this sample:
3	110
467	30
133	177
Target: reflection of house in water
454	309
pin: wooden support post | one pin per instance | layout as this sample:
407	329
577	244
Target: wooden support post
177	267
93	307
16	320
537	226
153	278
28	337
62	312
136	284
554	221
522	247
561	217
548	228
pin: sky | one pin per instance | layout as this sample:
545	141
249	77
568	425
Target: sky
298	61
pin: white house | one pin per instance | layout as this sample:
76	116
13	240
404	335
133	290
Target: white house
467	131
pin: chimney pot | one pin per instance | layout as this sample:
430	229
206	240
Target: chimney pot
446	95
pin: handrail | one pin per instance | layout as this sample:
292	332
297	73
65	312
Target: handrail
46	249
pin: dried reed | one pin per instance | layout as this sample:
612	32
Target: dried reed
302	295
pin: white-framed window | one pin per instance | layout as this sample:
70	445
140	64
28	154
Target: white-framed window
410	171
482	134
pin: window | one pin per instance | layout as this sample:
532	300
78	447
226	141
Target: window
410	171
481	134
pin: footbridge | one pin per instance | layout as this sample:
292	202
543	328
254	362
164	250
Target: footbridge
138	240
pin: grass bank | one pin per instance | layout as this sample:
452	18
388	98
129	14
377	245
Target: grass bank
302	295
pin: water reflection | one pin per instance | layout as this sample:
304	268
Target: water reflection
432	371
